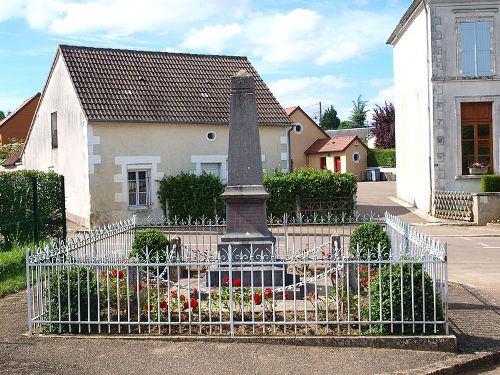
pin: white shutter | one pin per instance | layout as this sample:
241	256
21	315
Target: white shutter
483	51
468	48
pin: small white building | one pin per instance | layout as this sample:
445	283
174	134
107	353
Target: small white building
114	122
447	96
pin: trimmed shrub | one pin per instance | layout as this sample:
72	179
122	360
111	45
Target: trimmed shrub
16	206
411	290
382	157
306	188
368	236
490	183
191	196
76	279
156	243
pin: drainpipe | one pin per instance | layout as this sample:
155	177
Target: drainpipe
289	143
429	101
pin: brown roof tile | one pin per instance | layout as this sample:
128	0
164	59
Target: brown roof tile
334	144
13	158
126	85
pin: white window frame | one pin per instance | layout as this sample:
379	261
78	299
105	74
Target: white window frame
137	192
473	19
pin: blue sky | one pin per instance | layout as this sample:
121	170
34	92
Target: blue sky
306	51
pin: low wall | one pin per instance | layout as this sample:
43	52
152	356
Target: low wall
485	207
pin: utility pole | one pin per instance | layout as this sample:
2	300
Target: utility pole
320	113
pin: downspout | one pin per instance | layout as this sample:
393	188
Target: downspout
289	144
429	102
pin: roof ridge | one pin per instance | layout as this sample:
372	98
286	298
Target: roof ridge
68	46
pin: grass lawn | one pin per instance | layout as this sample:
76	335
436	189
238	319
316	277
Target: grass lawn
12	271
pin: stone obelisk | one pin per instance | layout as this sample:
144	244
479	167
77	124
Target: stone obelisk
245	195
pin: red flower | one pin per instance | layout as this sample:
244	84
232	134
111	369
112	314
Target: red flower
120	274
184	317
186	305
363	268
163	305
174	293
365	281
226	280
237	282
194	291
287	295
257	298
193	304
137	287
268	292
149	307
311	295
115	273
182	297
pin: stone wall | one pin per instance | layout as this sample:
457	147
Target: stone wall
485	207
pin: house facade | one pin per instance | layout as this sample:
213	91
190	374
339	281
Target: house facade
447	96
114	122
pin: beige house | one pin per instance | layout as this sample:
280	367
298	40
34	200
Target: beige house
339	154
304	134
114	122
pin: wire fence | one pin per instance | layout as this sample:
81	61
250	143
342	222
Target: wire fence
308	282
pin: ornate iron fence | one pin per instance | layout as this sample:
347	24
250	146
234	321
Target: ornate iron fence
452	205
93	285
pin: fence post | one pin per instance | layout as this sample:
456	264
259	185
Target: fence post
34	183
63	209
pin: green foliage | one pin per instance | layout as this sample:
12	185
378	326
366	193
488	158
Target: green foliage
8	149
16	206
368	236
490	183
346	125
358	114
382	157
189	195
2	115
156	243
80	283
307	187
411	290
330	120
12	271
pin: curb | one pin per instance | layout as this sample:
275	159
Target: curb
462	363
441	343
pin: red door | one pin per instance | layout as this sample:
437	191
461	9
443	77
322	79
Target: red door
322	163
337	164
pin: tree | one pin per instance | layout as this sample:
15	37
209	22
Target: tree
330	120
384	126
2	115
346	124
358	114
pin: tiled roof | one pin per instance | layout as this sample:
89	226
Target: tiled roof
142	86
334	144
13	158
290	110
360	132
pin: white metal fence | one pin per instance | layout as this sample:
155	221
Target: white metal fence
312	283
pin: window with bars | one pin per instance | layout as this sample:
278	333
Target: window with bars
477	138
475	48
139	188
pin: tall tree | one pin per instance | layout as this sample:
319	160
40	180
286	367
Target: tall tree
358	114
346	124
2	115
330	120
384	119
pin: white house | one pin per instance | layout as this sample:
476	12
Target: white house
113	122
447	96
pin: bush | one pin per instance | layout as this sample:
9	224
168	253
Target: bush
193	196
490	183
412	291
12	271
368	236
307	187
156	243
382	157
76	279
16	206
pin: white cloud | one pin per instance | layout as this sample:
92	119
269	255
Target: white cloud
211	38
385	94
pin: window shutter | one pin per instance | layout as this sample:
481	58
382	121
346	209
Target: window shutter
467	43
483	48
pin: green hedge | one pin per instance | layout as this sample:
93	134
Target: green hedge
193	196
12	271
306	188
490	183
16	206
367	237
382	157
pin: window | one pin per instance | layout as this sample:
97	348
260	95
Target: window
211	136
477	145
356	157
211	168
475	48
53	129
322	163
139	188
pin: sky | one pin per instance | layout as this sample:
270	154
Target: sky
328	51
